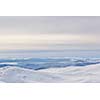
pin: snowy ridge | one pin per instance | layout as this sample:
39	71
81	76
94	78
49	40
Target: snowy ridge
45	63
90	73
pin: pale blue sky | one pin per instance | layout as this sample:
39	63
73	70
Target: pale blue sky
49	33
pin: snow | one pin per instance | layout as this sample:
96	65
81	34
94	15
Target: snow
73	74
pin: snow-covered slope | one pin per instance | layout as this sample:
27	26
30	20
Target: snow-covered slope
90	73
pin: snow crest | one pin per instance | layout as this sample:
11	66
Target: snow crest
87	74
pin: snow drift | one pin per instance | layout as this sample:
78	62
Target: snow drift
87	74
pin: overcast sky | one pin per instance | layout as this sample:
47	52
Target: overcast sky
49	33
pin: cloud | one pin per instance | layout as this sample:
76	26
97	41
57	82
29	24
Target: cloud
49	32
50	25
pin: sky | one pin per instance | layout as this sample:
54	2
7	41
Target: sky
49	33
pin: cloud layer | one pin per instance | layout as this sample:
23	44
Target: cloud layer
49	33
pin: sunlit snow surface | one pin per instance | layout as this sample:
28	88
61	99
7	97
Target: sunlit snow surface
50	70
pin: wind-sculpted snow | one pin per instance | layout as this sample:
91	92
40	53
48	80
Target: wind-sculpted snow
50	70
73	74
44	63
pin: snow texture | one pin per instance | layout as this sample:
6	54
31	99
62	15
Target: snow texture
87	74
